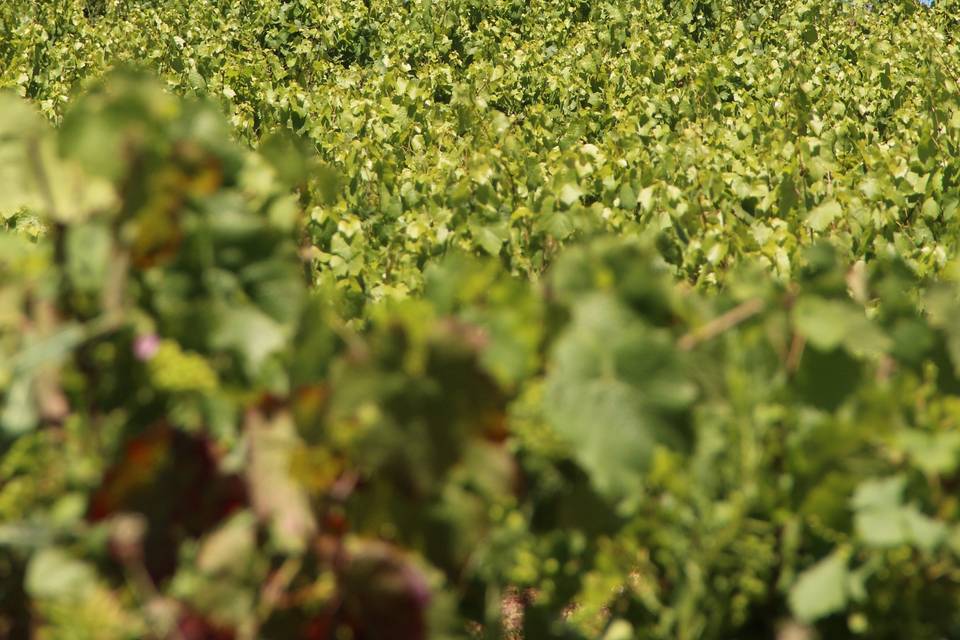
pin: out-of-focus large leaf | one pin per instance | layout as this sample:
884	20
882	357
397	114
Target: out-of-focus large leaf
616	389
276	497
54	573
821	590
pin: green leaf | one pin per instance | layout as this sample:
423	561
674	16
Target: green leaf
491	237
882	521
827	324
19	413
570	192
787	194
253	334
646	198
925	532
619	629
881	527
230	546
933	453
871	188
54	573
614	389
21	135
52	350
883	493
628	199
821	590
823	215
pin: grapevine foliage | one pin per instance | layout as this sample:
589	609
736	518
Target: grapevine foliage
461	318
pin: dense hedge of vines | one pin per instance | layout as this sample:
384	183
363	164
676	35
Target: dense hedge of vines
479	318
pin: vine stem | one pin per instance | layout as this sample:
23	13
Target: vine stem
724	322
